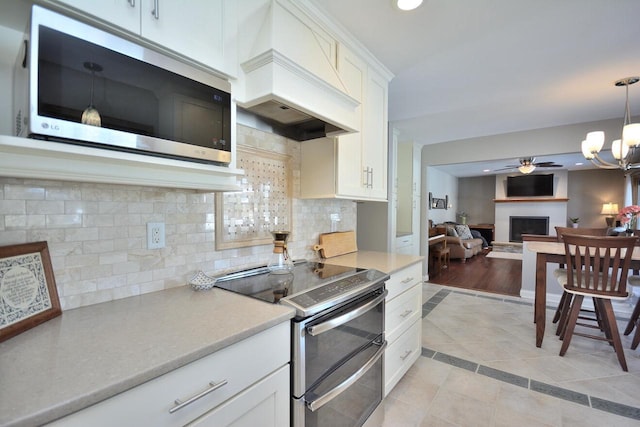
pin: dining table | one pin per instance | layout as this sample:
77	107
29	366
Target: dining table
553	252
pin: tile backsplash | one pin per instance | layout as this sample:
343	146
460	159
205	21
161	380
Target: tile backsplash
97	232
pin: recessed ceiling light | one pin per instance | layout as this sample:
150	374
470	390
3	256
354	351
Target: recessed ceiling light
408	4
486	170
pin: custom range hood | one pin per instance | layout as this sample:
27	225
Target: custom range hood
291	78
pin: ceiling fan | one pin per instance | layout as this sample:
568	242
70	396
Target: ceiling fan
529	164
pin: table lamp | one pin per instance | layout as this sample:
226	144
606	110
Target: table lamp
609	209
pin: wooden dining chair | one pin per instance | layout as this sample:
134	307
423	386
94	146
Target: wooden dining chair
633	281
597	267
565	299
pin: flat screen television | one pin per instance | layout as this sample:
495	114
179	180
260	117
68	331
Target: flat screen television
530	185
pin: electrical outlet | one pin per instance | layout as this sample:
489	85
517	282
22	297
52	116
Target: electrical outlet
155	235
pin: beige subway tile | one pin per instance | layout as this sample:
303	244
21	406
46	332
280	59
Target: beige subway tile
77	287
13	237
140	207
96	271
112	207
41	207
113	281
97	246
80	207
124	194
62	221
137	277
91	193
13	207
125	291
152	286
113	258
126	267
105	220
114	233
66	192
23	192
51	235
81	234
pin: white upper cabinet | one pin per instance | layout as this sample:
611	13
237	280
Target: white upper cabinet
352	166
201	30
375	143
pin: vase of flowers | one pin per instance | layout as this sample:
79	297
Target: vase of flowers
629	216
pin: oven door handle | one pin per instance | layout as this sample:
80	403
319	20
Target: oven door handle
334	392
314	330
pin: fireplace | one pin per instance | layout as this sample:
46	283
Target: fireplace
519	225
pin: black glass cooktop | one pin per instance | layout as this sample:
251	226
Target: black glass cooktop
310	288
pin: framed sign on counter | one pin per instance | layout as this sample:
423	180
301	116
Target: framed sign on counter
28	294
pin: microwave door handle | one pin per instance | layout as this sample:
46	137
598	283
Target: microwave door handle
314	330
334	392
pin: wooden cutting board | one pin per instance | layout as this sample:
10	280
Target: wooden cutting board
338	243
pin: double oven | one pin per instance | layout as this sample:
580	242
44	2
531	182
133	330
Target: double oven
337	337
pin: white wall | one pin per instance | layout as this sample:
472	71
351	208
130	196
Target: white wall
441	184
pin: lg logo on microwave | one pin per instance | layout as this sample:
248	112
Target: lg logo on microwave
52	127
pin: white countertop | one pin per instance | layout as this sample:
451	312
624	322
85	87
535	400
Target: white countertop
384	261
92	353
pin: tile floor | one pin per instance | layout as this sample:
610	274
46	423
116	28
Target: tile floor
480	367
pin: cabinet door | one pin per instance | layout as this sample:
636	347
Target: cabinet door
375	139
123	13
263	404
350	171
198	29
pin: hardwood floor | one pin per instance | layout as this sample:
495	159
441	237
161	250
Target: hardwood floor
496	275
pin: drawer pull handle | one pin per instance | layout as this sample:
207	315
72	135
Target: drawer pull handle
408	280
406	313
212	387
406	354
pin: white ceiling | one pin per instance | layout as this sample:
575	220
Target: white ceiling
468	68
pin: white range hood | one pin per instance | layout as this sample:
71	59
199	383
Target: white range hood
291	78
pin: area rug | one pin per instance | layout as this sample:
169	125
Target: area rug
504	255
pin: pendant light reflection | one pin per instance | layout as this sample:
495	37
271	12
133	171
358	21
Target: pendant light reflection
90	115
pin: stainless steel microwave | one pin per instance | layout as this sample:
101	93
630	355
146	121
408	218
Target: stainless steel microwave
78	84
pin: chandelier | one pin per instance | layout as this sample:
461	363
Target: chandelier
621	149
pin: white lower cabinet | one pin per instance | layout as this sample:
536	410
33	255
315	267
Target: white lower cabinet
403	325
264	404
237	385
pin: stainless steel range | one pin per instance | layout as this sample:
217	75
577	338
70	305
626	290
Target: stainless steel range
337	337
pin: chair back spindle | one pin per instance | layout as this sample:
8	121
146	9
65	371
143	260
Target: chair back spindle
599	265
